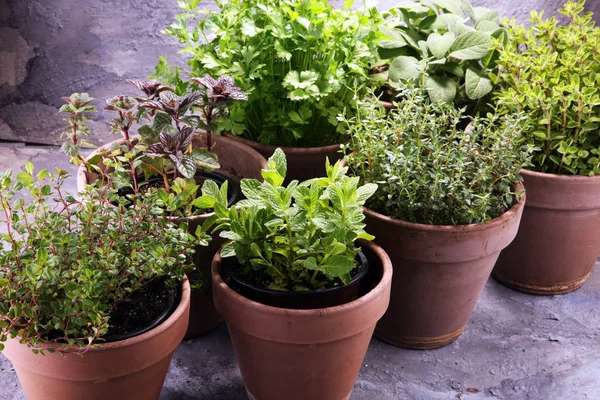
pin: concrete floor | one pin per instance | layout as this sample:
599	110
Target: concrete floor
516	346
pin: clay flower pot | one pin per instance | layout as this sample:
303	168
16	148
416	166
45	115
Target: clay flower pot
303	162
439	274
559	237
131	369
303	354
237	161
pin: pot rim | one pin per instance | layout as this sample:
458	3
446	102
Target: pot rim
562	178
164	326
512	212
385	281
271	148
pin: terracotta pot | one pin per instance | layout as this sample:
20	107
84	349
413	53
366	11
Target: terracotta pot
303	354
303	162
237	161
439	274
131	369
559	237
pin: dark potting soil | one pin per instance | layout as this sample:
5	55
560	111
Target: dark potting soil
142	308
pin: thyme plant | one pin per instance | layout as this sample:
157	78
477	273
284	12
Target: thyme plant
300	237
551	72
66	264
429	171
298	60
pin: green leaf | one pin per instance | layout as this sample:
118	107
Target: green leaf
441	89
24	178
404	68
451	5
162	123
206	159
337	266
278	162
477	84
204	202
440	44
364	192
187	166
29	167
471	46
272	177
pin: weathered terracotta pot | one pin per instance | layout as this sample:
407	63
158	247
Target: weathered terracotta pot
439	274
131	369
303	162
303	354
559	237
237	161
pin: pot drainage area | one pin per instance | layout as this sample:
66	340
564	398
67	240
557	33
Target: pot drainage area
516	346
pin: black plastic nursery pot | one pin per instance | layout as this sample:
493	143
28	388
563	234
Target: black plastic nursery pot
297	300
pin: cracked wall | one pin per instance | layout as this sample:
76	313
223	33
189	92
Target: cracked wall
51	48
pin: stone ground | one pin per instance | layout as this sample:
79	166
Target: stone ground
516	346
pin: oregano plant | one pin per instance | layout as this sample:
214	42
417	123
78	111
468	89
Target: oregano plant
300	236
551	72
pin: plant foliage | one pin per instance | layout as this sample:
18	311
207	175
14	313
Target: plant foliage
445	45
66	264
300	236
551	72
428	170
298	60
167	124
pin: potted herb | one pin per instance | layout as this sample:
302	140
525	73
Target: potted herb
448	202
101	277
445	44
176	152
551	72
300	63
298	306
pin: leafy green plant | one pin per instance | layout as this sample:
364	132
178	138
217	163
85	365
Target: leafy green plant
301	236
66	264
298	60
169	125
445	45
551	72
430	172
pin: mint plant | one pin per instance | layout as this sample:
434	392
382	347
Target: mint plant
66	264
298	61
301	236
551	73
168	124
429	171
443	45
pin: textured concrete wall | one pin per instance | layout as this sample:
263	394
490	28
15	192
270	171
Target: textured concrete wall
51	48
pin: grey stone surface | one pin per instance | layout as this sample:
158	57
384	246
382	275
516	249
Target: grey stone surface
51	48
516	346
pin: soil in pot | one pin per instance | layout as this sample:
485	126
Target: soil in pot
304	354
559	237
255	286
130	369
